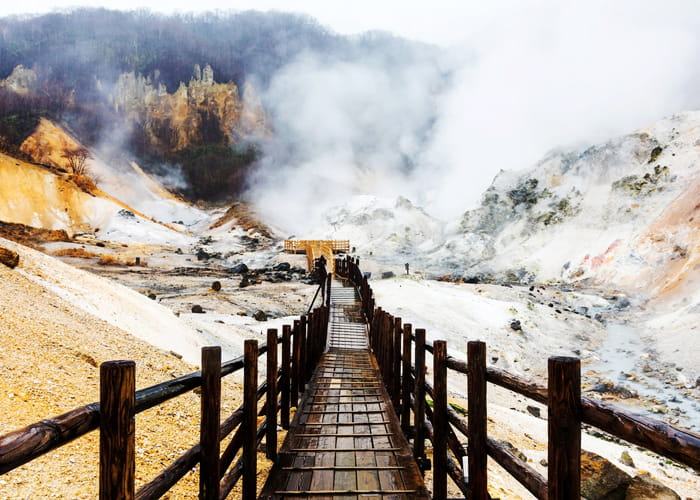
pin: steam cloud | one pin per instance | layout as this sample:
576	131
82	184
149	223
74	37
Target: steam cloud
437	129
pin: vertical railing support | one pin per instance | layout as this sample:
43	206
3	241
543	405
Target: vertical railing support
440	423
296	361
383	349
396	368
324	336
210	403
117	429
406	379
564	422
328	290
303	354
476	412
284	377
271	430
419	413
250	419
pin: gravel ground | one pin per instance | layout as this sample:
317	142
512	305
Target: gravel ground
50	352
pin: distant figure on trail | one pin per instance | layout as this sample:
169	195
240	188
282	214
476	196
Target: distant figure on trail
319	271
406	264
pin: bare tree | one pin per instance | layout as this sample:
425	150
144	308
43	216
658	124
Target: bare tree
77	159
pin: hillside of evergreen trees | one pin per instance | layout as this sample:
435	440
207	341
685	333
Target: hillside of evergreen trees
77	53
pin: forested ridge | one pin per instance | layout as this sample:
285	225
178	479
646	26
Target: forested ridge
78	56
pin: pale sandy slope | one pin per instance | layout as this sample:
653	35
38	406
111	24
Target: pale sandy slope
50	351
115	304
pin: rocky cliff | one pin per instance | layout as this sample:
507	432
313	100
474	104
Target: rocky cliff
201	111
616	214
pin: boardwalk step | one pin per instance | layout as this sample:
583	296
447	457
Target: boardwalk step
345	467
345	492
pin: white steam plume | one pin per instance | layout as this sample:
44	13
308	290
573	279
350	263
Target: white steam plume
539	77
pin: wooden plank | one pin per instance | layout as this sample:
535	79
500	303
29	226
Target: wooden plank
324	456
367	478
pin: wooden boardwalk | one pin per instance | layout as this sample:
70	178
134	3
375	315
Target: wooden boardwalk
345	440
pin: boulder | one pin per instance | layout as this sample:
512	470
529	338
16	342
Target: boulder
610	388
260	315
515	325
203	255
600	479
626	459
197	309
240	268
534	411
387	275
643	487
245	282
216	286
9	258
282	266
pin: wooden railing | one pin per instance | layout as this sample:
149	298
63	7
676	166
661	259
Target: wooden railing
401	355
301	346
299	246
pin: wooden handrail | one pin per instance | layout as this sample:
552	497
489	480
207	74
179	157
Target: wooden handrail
23	445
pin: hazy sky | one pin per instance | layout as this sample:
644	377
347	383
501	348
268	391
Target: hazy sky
437	21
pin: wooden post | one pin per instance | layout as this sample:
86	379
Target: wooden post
250	419
326	320
316	340
419	396
313	342
271	431
296	361
209	425
117	446
564	422
396	369
328	291
440	423
387	354
373	333
309	350
284	379
406	379
382	343
302	354
476	412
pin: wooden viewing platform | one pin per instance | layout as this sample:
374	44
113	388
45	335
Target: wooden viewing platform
317	248
345	439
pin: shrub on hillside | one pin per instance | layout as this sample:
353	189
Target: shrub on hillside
79	253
